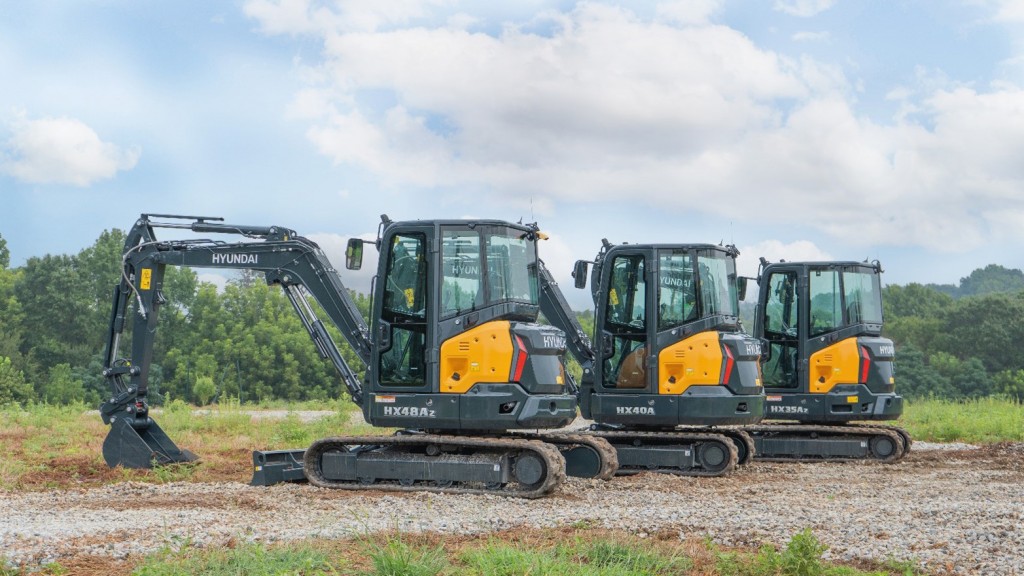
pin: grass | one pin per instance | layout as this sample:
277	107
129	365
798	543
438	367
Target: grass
980	421
531	552
249	559
60	446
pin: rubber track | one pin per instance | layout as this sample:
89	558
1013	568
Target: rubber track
609	457
683	437
903	434
836	431
736	434
554	463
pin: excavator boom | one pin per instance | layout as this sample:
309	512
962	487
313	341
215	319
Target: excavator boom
295	263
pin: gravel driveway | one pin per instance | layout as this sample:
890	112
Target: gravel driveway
953	510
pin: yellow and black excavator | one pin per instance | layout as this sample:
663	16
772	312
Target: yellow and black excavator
671	361
454	356
826	364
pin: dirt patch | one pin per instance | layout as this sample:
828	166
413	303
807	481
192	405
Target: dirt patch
70	472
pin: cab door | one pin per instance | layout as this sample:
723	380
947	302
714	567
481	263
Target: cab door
401	333
623	322
782	315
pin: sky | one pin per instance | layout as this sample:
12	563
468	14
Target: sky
794	129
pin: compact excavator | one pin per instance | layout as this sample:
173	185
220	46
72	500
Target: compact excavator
454	356
825	364
671	360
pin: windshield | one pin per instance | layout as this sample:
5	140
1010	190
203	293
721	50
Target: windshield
863	295
678	301
486	265
717	283
677	292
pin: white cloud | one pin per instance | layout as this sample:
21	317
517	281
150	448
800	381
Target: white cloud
219	279
299	17
689	11
811	36
777	251
803	8
334	246
61	151
676	113
1009	11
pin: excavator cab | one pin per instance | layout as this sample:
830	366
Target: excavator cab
455	340
672	351
826	364
825	359
670	359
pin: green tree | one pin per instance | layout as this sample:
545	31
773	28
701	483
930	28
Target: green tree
916	379
914	300
1009	383
56	312
62	387
988	328
967	378
5	254
992	279
13	387
204	389
10	318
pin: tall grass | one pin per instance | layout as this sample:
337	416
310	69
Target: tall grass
551	553
983	420
48	446
248	559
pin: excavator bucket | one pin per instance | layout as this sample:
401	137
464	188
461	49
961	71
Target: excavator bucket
141	446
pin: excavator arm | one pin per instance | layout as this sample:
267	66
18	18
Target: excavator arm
557	310
295	263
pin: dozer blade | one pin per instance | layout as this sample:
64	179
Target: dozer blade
271	467
141	445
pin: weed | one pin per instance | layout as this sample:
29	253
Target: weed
396	558
249	559
980	420
631	559
291	431
499	559
166	473
802	556
907	567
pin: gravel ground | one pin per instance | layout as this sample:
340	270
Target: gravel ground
952	508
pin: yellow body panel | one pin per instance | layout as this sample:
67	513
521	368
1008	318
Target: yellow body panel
695	361
837	364
481	354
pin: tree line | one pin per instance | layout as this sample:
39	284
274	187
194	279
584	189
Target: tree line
959	341
246	342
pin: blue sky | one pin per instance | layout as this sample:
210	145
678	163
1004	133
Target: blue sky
796	129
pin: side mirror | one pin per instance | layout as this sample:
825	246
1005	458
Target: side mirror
354	254
579	273
741	287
